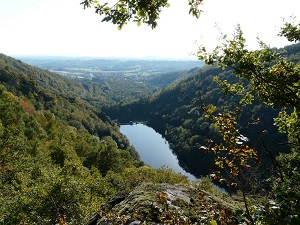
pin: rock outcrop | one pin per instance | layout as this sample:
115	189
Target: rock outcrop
165	204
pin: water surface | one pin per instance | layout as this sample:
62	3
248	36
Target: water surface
152	147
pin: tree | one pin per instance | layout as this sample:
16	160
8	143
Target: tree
140	11
275	81
233	156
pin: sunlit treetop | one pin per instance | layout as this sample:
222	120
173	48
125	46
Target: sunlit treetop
140	11
291	30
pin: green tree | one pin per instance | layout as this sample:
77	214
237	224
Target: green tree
275	81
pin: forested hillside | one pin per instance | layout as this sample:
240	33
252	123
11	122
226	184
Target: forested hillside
60	157
176	113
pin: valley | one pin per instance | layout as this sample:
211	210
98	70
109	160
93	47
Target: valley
191	119
122	80
166	94
63	155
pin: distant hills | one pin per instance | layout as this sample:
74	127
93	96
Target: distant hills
111	64
109	81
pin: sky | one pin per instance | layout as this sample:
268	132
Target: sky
64	28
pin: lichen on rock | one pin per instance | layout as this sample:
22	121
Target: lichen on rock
165	204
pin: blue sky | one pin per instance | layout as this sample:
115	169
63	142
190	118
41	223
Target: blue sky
63	28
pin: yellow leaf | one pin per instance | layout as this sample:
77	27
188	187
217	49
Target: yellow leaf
219	164
234	174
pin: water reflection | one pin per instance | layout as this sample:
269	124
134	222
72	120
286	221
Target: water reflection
152	147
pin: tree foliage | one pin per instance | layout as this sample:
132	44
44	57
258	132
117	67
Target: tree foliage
140	11
291	30
275	81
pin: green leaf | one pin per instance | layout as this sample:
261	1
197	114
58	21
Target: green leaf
213	222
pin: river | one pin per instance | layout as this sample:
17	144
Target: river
152	147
